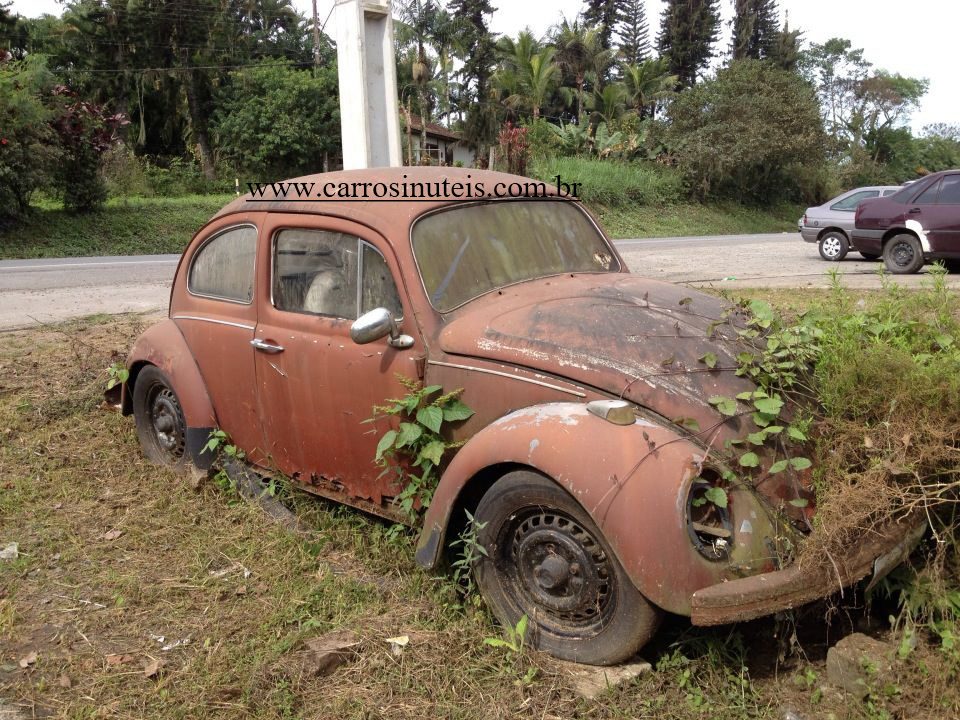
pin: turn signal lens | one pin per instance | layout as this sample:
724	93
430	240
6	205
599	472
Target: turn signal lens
618	412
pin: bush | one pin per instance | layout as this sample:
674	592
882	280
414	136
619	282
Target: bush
613	183
747	134
28	146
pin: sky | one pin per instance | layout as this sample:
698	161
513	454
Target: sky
911	38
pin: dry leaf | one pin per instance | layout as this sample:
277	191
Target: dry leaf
64	681
29	659
153	667
906	439
242	590
118	659
867	442
329	651
112	534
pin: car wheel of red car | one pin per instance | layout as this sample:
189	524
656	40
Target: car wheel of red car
833	246
546	559
903	255
159	418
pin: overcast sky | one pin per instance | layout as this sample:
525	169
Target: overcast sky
912	38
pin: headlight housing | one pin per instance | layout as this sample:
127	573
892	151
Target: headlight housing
709	521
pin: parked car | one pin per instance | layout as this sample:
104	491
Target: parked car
918	224
583	463
831	225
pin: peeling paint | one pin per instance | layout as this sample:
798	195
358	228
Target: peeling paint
915	227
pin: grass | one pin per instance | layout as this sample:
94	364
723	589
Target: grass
125	226
198	564
682	219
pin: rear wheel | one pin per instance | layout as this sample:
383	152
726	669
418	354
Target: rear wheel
902	254
159	418
546	559
833	246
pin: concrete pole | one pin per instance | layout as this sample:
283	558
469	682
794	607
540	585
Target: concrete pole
369	119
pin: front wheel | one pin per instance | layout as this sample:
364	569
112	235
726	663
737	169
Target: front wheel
159	418
833	246
903	255
546	559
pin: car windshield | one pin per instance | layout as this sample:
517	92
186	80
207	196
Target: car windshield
470	250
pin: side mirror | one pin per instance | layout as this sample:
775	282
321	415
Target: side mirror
376	324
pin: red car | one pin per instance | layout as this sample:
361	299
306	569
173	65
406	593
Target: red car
599	502
919	224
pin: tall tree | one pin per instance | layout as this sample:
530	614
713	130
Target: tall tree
602	14
478	52
756	27
688	31
647	84
786	51
580	54
633	32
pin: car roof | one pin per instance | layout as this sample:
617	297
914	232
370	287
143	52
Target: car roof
382	215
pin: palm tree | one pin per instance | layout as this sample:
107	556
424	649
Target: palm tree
528	80
420	17
648	83
581	55
609	103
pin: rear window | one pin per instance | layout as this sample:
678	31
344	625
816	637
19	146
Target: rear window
222	268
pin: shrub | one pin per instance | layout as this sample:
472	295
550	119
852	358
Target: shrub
745	134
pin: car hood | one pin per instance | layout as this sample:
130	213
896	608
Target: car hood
626	335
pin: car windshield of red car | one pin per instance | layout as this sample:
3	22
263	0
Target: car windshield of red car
470	250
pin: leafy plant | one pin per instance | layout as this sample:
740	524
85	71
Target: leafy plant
219	443
470	552
117	375
414	449
515	637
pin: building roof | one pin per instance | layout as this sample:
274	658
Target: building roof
416	125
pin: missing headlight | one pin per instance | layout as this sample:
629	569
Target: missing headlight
708	517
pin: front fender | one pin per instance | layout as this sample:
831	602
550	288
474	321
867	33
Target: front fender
164	346
632	480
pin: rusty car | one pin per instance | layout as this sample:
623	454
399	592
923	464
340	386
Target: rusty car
592	443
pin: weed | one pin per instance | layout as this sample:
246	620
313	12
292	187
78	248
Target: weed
416	448
469	553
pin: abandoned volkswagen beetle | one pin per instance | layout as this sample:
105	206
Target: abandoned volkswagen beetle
290	319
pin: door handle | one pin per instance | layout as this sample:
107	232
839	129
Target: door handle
914	211
266	347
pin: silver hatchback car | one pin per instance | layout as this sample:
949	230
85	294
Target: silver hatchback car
830	225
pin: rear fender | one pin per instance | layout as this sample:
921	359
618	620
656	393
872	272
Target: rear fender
163	345
632	480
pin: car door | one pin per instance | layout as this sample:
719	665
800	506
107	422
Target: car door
942	220
316	387
217	315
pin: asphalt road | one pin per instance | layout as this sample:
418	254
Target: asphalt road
49	290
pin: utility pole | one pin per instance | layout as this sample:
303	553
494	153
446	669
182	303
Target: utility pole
316	39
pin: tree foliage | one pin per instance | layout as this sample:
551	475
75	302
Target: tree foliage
756	28
633	32
276	121
743	134
688	31
603	15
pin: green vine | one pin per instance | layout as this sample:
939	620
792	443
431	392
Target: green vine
415	449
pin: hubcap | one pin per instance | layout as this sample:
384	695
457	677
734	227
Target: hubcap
831	246
902	254
167	425
557	568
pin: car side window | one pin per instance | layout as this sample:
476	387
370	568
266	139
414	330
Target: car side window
950	190
315	272
928	196
850	203
379	289
888	193
222	268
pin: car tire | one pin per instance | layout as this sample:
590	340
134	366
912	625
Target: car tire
833	246
869	256
158	415
902	254
546	559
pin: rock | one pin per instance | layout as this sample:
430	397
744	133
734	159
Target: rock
858	663
326	653
588	681
9	552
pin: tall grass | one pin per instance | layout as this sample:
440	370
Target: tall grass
614	184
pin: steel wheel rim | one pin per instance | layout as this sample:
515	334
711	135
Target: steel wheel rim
831	246
166	423
556	572
903	254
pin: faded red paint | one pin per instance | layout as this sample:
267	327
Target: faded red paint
528	357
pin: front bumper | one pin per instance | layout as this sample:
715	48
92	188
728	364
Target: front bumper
760	595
